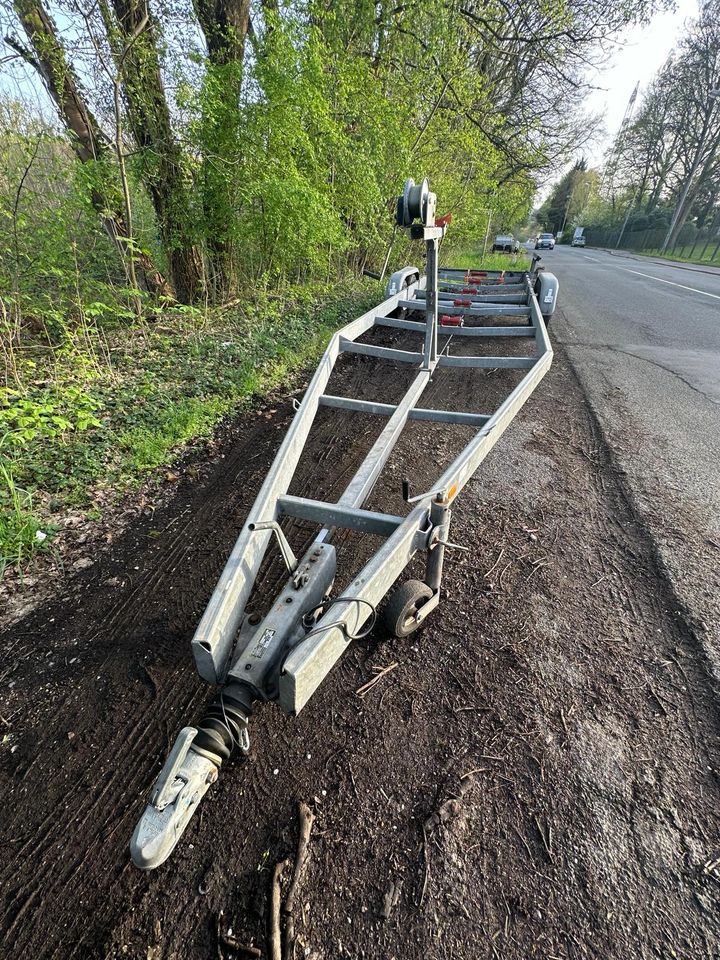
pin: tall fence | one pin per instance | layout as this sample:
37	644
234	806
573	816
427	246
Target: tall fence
702	246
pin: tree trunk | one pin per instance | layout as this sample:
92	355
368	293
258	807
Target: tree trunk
49	60
225	25
132	34
696	180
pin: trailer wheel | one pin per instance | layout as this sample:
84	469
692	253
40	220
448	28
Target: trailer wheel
400	615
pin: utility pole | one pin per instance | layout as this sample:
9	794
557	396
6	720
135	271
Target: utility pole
631	205
487	232
567	210
610	168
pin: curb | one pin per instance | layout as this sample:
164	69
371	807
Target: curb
712	271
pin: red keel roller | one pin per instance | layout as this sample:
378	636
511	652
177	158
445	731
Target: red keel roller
446	320
474	276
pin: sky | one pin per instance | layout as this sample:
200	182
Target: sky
638	56
643	52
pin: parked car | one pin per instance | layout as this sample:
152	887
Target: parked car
578	242
506	243
546	240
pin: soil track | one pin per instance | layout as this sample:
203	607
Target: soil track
538	777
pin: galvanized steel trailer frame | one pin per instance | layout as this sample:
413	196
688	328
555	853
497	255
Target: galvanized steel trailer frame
286	656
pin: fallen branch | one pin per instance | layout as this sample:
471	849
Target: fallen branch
390	899
367	687
546	839
275	940
307	818
232	943
475	770
495	565
427	869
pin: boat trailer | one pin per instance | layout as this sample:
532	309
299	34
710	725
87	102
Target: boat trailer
284	656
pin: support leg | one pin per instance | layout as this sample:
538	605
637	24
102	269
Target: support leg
440	517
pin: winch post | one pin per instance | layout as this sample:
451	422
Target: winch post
432	245
416	212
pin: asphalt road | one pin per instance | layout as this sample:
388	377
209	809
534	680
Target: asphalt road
644	339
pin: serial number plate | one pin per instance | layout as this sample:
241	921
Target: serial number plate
258	651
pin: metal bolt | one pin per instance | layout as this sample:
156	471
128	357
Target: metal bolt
288	599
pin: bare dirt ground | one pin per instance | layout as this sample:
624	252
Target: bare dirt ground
537	777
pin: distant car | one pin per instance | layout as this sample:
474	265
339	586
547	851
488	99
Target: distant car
546	240
505	243
578	242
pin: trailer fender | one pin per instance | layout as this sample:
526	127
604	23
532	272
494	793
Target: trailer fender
401	279
546	291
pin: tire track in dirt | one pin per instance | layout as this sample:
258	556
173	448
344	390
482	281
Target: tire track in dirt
130	778
130	775
117	745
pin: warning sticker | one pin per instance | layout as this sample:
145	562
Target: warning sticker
258	651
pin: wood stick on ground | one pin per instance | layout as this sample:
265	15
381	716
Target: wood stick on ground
390	899
494	566
367	687
546	838
475	770
275	941
307	818
427	869
524	842
232	943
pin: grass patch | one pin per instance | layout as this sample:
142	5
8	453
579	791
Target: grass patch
73	427
146	447
19	526
681	257
473	257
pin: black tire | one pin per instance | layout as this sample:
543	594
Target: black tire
403	605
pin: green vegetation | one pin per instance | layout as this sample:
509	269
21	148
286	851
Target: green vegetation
104	419
472	256
18	525
684	254
218	176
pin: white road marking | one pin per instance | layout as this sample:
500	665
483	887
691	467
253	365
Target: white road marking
594	259
682	286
